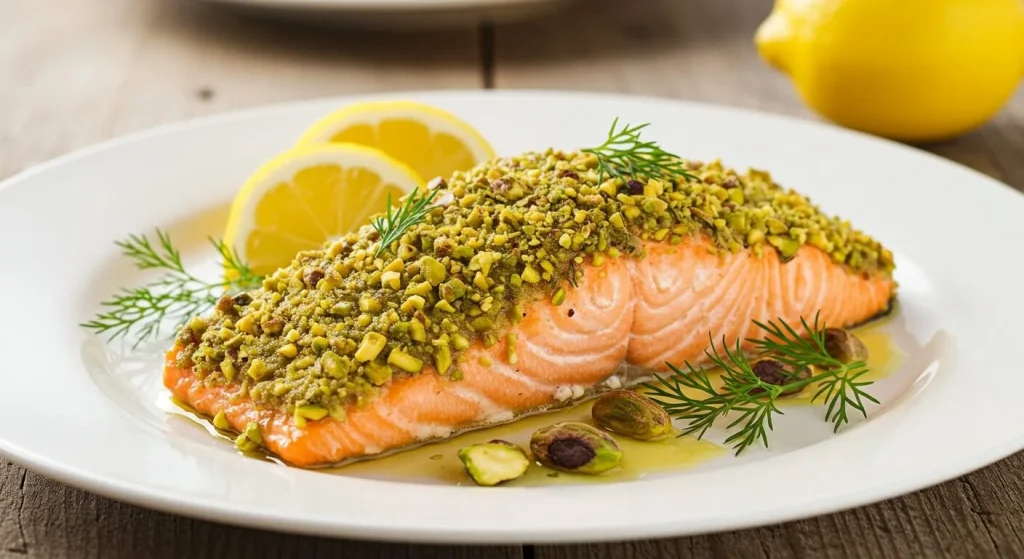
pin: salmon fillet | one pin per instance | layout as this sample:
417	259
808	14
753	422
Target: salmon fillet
624	320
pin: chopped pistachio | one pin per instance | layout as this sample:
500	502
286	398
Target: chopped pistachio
368	304
453	290
371	346
288	350
245	324
333	364
482	261
252	432
392	280
442	359
482	323
417	331
378	373
343	308
312	413
559	297
775	226
655	206
220	421
244	444
404	361
197	325
257	369
420	289
787	247
227	367
480	281
513	357
413	304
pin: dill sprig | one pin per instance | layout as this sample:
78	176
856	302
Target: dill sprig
395	223
177	295
839	382
755	401
624	154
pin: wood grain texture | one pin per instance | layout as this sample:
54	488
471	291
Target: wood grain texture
80	71
703	51
45	519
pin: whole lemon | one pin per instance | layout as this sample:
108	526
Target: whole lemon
910	70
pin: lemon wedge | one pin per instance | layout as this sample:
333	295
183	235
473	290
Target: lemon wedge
309	195
914	70
431	141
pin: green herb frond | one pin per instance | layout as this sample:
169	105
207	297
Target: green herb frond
742	392
840	386
691	396
395	223
624	154
843	391
177	295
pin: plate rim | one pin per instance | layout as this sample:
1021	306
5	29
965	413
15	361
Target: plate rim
213	510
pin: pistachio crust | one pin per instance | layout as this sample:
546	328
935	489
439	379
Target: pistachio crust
337	323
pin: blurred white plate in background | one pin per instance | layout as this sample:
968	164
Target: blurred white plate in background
399	13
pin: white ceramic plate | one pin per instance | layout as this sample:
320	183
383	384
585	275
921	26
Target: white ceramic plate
87	413
400	13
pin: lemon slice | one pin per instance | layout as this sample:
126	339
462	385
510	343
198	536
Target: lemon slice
434	142
309	195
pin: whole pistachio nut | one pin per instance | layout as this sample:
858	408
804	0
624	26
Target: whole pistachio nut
775	372
575	447
494	462
631	414
844	346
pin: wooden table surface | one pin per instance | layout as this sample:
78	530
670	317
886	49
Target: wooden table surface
74	72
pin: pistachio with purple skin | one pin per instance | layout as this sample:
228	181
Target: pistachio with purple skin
575	447
500	185
844	346
313	277
771	371
242	299
631	414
